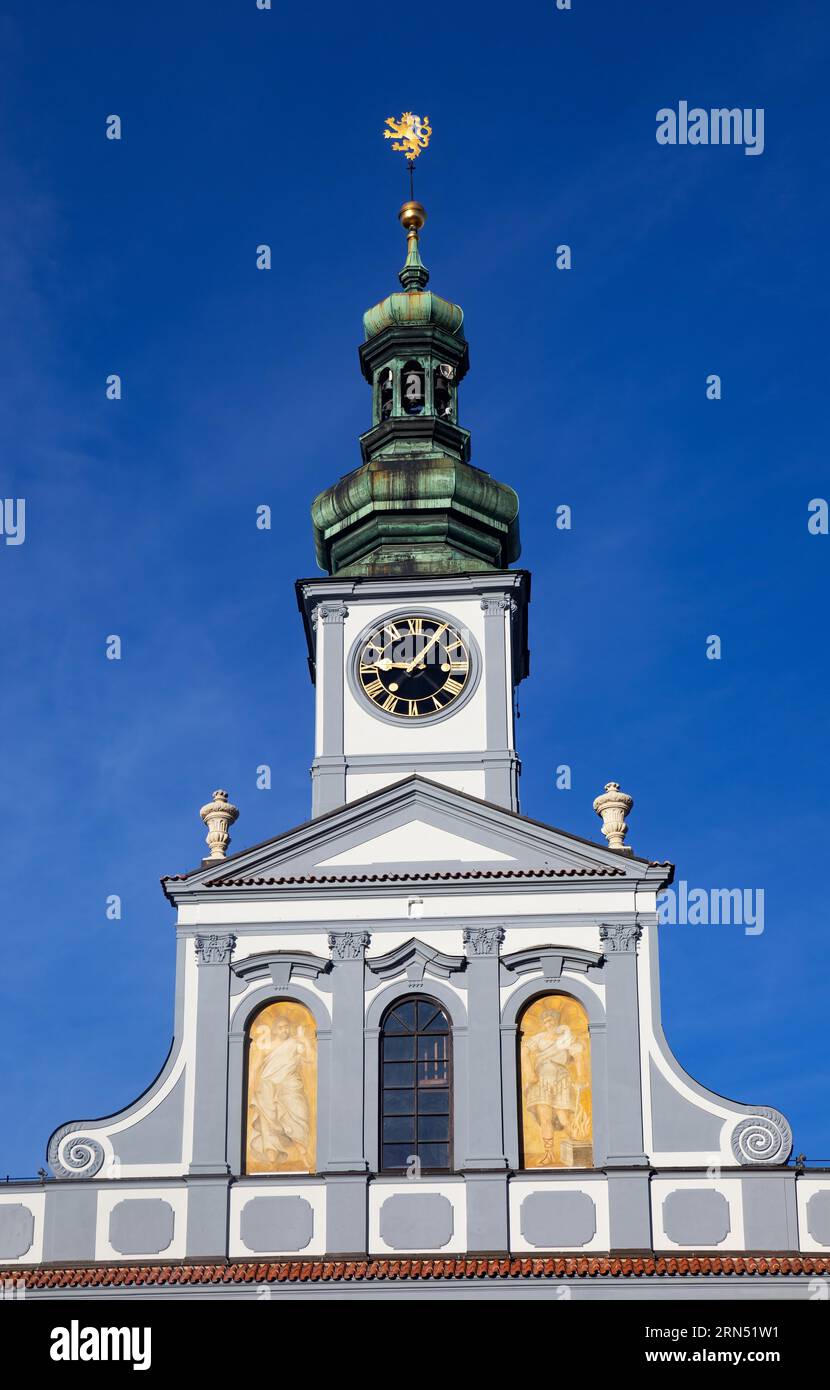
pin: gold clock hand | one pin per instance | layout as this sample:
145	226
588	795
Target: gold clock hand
431	643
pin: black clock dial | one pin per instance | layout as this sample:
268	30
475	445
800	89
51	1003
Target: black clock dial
414	666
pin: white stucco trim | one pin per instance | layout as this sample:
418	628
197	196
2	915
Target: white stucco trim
456	1194
806	1188
113	1168
36	1202
730	1188
650	1048
285	907
108	1199
596	1189
313	1193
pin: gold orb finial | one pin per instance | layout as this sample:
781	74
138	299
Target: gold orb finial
412	216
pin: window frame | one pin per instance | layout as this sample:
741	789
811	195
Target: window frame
450	1086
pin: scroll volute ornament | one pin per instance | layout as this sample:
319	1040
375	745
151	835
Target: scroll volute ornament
218	815
612	808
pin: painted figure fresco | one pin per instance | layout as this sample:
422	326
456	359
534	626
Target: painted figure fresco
282	1091
555	1063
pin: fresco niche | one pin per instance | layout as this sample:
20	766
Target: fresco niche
281	1123
555	1082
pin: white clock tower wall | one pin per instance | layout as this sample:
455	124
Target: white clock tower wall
469	745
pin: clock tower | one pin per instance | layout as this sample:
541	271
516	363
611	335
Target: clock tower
418	635
419	982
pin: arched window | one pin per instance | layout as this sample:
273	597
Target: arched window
385	393
555	1072
416	1086
412	389
281	1115
443	377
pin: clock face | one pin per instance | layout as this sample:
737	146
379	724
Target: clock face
414	666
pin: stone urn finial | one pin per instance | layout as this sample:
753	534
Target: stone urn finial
612	808
218	815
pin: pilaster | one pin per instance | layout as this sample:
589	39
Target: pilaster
624	1096
214	952
346	1144
501	783
485	1129
329	769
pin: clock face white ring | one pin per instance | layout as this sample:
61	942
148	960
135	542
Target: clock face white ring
414	665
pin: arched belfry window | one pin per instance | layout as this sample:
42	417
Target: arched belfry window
442	382
416	1087
386	388
412	389
281	1111
555	1084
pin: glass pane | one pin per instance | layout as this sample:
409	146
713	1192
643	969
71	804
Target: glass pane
399	1102
433	1073
432	1127
396	1155
401	1129
434	1155
435	1102
432	1049
398	1074
426	1013
438	1025
400	1049
400	1020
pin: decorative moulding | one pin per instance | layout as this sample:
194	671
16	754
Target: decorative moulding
73	1154
764	1137
416	959
550	961
281	967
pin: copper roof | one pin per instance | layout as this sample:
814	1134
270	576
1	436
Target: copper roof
349	1271
436	876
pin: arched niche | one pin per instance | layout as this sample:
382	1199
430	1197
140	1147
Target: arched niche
244	1015
281	1089
555	1083
512	1013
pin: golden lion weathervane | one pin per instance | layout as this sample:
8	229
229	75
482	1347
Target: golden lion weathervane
411	135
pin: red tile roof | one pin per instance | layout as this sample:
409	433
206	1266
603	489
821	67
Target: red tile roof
348	1271
435	876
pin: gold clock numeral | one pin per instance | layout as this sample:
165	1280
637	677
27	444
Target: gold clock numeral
401	661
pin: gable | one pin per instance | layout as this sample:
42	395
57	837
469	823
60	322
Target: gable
418	841
415	829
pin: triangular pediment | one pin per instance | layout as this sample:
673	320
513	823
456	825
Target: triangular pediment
418	841
414	829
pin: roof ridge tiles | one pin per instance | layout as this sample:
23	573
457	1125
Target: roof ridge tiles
688	1264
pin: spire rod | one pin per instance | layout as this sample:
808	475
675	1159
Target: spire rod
411	135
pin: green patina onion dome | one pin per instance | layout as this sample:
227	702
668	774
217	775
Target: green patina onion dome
416	505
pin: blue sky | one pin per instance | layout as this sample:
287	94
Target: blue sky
242	387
